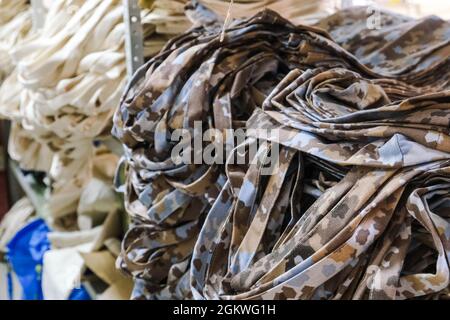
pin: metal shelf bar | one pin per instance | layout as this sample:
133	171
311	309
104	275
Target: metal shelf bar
134	45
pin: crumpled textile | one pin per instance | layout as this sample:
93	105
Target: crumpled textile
23	147
361	189
14	220
71	79
20	214
297	11
364	156
77	257
15	24
361	236
61	97
169	199
69	196
161	21
397	45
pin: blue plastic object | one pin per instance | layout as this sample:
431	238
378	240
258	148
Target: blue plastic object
25	254
79	294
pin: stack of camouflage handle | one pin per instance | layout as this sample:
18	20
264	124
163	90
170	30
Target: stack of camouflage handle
359	205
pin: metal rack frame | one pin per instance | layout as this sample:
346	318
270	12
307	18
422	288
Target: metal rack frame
134	44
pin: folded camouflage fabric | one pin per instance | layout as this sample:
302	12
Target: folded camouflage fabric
394	44
361	185
388	210
175	210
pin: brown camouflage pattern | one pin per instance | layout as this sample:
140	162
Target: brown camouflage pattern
359	205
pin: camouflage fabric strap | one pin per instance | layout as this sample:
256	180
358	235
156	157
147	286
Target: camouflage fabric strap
348	223
361	186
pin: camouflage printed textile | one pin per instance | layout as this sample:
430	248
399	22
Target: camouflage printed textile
358	205
393	44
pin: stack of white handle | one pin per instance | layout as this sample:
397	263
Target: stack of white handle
162	20
15	23
73	73
68	80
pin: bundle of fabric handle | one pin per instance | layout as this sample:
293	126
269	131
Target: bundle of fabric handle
358	207
60	97
15	23
164	19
